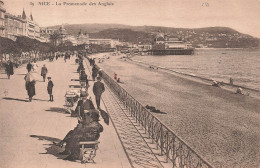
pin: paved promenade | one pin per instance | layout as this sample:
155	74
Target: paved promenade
27	129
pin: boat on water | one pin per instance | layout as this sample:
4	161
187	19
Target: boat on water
166	45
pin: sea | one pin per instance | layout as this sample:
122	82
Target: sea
242	65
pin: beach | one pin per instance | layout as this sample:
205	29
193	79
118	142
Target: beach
223	127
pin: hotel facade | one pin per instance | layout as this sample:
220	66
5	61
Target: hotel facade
12	26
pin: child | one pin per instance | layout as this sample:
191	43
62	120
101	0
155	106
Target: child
49	88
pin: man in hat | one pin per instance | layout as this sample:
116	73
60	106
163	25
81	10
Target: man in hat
9	69
98	89
49	88
44	72
94	72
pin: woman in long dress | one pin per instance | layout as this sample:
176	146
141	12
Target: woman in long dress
30	85
34	66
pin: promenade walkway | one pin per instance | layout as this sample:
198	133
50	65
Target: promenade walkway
27	129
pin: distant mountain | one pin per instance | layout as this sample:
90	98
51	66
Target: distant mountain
125	35
216	37
90	28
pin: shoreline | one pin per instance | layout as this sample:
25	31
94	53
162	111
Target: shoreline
227	48
226	86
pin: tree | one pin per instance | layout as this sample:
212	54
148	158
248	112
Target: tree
55	37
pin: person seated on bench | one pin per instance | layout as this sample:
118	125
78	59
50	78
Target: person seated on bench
75	112
83	75
80	67
88	129
85	103
88	104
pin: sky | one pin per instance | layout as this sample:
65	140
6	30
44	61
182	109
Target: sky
241	15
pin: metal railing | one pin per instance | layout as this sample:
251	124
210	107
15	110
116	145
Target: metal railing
175	149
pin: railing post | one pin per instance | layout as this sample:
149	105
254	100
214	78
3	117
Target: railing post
161	139
145	121
152	130
173	152
136	112
167	146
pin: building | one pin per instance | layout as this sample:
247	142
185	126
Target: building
2	19
82	38
45	33
72	39
14	26
144	47
62	35
111	42
32	28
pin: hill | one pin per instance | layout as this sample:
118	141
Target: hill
216	37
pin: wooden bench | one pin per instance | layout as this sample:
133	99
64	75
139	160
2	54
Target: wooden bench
88	151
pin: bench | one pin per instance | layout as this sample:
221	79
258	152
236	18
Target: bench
88	151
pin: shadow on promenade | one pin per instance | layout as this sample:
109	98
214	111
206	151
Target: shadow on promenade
20	74
50	148
105	116
16	99
58	110
40	100
22	100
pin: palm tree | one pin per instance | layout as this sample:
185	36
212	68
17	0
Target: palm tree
55	38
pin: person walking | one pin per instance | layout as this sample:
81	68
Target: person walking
9	69
98	89
44	72
49	88
30	84
34	66
94	72
29	66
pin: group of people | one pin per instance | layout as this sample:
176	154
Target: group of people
30	80
88	127
98	87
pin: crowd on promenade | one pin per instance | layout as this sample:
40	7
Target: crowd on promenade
87	113
88	128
